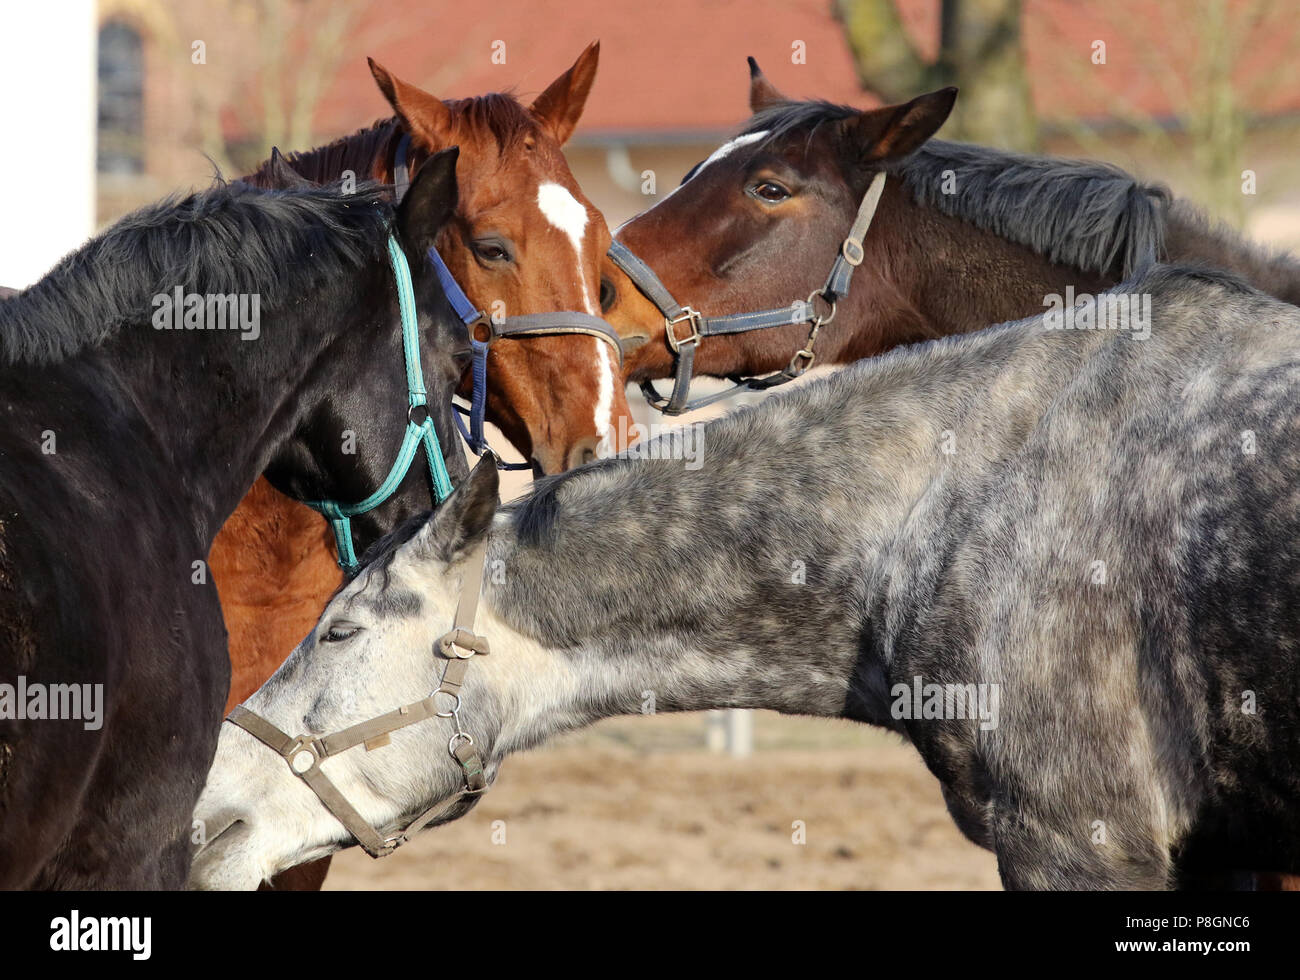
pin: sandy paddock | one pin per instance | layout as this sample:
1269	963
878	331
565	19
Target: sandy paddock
638	803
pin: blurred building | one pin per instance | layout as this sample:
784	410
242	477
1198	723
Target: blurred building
672	81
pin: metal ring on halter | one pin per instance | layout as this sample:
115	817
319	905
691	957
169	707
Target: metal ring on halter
454	711
462	736
302	746
818	318
482	320
410	414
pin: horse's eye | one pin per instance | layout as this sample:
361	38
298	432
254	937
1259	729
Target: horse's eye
607	295
491	251
769	191
339	633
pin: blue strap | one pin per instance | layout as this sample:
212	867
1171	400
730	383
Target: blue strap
501	464
418	434
470	314
478	403
466	310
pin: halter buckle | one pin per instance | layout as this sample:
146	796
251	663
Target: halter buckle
694	317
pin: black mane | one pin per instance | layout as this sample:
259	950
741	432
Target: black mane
1082	213
232	238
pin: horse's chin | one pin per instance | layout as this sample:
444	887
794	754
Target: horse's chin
214	877
236	861
226	864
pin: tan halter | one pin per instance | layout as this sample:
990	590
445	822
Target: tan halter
305	753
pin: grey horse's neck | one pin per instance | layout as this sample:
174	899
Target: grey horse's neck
750	580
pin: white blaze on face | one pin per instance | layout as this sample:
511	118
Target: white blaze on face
605	402
726	149
566	213
569	215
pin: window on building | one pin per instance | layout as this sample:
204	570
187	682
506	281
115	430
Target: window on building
121	100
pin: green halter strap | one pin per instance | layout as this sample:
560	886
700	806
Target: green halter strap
419	426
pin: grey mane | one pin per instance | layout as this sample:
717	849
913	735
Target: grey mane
232	238
1085	214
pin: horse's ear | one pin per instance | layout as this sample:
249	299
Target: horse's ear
426	116
896	130
282	175
430	201
462	520
762	93
560	106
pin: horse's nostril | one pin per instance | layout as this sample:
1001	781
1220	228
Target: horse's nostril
222	825
583	451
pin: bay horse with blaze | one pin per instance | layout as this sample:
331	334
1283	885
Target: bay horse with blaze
963	236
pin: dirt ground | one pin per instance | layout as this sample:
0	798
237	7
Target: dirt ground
638	803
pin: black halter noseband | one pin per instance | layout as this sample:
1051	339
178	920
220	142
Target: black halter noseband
817	311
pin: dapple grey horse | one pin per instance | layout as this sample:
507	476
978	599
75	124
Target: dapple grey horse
1058	555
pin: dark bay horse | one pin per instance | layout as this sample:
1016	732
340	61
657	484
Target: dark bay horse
1045	553
139	406
524	239
963	235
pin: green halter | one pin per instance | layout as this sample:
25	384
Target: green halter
418	433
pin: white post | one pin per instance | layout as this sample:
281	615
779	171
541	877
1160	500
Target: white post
730	731
740	732
715	730
47	81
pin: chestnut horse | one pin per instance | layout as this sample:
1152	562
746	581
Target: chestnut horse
962	237
523	239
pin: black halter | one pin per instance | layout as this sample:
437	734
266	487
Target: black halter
817	311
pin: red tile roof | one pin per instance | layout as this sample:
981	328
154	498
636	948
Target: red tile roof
678	66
